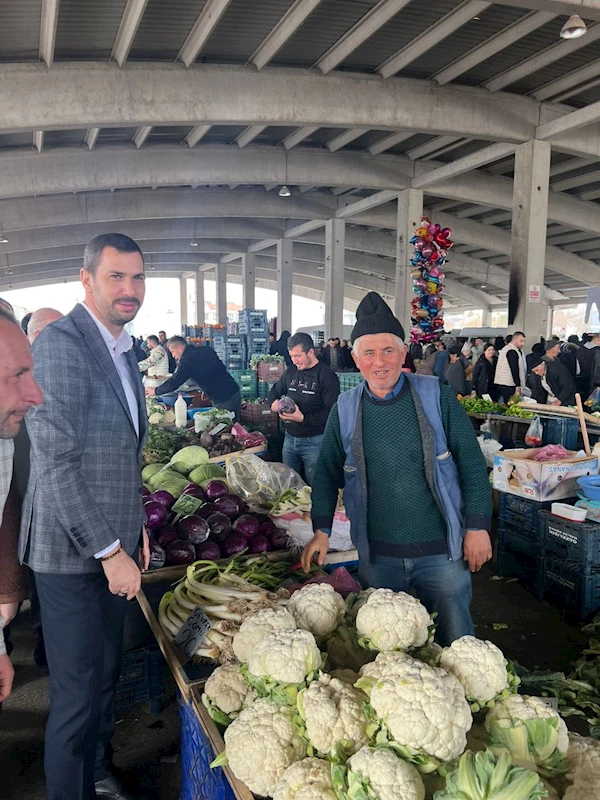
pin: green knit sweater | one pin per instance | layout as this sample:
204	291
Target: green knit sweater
403	517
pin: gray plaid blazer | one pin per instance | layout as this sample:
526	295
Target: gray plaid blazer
85	480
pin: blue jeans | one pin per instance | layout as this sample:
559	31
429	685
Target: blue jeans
441	585
302	454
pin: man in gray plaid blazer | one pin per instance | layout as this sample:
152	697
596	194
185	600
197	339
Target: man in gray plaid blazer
82	515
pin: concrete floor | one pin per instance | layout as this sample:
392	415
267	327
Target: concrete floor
146	746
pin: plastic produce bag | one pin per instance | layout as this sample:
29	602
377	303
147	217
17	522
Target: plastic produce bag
340	579
552	452
534	434
593	401
260	483
489	448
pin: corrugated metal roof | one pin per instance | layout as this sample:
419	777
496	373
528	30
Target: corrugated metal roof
222	134
64	138
558	69
414	141
276	134
86	29
11	141
20	30
164	28
113	136
168	134
241	30
329	22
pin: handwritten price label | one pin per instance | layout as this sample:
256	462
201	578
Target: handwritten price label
191	634
186	505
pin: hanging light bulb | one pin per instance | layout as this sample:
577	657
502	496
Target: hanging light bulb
573	28
3	239
194	243
284	192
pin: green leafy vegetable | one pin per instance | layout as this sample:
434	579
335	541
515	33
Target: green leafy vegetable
483	776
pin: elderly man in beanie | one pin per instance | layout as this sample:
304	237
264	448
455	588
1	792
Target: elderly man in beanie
415	484
550	381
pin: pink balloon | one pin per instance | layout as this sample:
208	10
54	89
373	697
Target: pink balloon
427	251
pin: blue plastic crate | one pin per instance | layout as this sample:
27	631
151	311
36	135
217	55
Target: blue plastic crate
198	780
560	431
570	587
521	513
577	543
519	556
141	679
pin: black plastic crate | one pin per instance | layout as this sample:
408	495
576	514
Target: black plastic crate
573	590
519	556
577	543
521	513
141	679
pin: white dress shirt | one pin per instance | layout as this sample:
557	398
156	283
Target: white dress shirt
117	349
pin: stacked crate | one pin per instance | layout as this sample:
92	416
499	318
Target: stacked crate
521	539
253	324
232	351
247	381
259	417
348	380
571	569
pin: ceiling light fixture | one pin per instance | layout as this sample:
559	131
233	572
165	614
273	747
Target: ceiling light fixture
194	243
284	192
3	239
573	28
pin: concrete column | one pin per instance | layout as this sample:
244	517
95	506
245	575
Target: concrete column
549	323
528	240
249	280
199	298
183	300
285	273
410	211
486	317
335	250
221	280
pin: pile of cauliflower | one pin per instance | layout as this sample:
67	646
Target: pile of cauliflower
391	725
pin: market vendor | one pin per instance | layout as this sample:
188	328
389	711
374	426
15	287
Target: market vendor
157	363
552	384
314	387
416	487
202	366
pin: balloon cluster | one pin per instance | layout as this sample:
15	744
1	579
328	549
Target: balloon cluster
431	243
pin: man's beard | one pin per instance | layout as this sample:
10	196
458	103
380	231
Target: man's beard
116	318
9	429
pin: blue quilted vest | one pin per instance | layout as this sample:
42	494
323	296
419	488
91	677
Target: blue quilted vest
440	468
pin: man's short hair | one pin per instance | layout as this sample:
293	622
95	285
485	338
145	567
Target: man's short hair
177	340
8	316
94	249
332	339
454	350
152	338
25	321
159	333
519	333
7	308
302	340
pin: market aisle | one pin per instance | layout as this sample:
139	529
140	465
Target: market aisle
535	636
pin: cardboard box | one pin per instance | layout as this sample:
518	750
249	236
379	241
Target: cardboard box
516	473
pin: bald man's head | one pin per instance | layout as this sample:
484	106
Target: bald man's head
39	320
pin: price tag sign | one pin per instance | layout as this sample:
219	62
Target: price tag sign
186	505
191	634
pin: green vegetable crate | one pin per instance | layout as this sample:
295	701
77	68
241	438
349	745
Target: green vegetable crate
348	380
264	387
246	379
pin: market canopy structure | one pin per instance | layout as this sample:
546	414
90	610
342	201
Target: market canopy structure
178	122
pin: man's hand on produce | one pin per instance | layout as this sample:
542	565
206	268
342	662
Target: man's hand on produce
477	549
274	405
123	575
318	544
297	416
7	673
8	611
145	550
150	392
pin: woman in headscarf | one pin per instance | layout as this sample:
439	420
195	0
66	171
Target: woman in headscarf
282	348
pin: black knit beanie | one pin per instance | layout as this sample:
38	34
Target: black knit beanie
373	315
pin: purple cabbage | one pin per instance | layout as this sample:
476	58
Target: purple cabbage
163	497
209	551
156	515
206	510
246	525
259	544
157	555
194	491
285	405
180	552
215	489
166	536
235	543
145	492
231	505
280	540
193	529
268	528
220	527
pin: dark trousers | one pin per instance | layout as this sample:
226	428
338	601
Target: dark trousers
506	392
83	631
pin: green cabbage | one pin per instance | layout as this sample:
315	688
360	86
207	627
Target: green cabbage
151	470
174	485
207	472
188	458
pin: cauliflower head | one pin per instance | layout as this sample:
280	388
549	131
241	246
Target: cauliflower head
309	779
261	744
286	656
227	692
383	773
583	754
392	621
532	732
481	669
333	712
424	708
258	625
317	608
